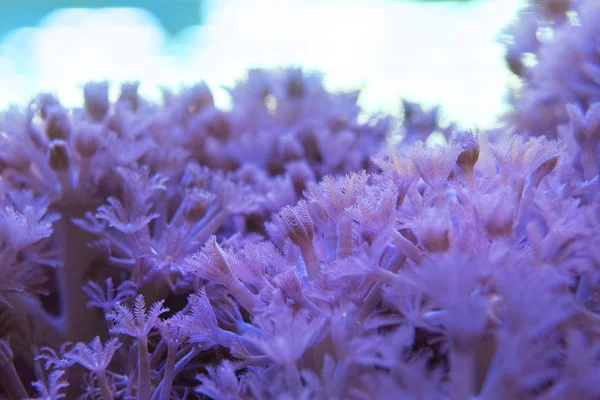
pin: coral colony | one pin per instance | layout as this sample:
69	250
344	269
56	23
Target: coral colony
288	249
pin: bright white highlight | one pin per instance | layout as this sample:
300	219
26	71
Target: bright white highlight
437	53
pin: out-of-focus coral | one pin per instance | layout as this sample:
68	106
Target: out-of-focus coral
558	61
553	48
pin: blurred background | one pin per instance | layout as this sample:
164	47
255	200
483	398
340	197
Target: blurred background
433	52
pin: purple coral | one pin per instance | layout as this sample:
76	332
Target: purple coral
288	250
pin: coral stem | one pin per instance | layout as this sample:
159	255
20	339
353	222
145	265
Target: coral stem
144	369
344	243
104	386
71	276
405	247
313	268
167	381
